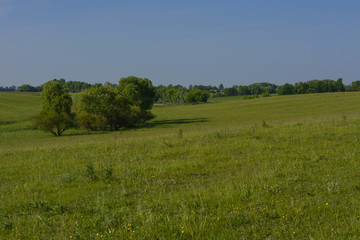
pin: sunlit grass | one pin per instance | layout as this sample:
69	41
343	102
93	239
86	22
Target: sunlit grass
271	168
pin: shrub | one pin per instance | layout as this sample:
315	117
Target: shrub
265	94
91	122
141	115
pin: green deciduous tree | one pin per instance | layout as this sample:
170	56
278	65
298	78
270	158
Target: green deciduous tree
230	91
339	85
243	90
197	96
28	88
55	115
355	86
105	104
112	107
171	94
91	122
260	88
286	89
139	91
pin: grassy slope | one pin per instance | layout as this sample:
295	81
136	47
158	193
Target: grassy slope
16	111
204	117
226	175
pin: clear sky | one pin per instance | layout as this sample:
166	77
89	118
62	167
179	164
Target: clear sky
179	41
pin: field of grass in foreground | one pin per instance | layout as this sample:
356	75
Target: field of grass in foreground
284	178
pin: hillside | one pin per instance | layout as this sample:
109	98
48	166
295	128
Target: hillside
17	110
268	168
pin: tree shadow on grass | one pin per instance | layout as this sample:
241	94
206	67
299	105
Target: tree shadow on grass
151	124
7	123
85	132
168	123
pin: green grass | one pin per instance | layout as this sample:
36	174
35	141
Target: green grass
16	131
268	168
226	99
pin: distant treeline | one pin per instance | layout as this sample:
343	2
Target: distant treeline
73	86
8	89
200	93
178	93
312	86
316	86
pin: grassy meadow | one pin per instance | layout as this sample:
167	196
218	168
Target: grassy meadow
282	167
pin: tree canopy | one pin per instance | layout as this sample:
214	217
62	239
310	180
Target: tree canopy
286	89
314	86
28	88
106	104
55	115
139	91
111	106
197	96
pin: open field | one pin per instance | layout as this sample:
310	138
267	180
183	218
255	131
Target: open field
268	168
16	111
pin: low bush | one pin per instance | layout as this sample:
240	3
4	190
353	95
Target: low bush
91	122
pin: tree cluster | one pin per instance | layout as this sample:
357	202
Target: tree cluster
74	86
181	95
355	86
313	86
178	94
100	107
197	95
28	88
8	89
114	107
252	89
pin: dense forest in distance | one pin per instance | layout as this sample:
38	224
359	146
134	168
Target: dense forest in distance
178	94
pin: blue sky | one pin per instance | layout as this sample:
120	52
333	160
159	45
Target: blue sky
179	41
